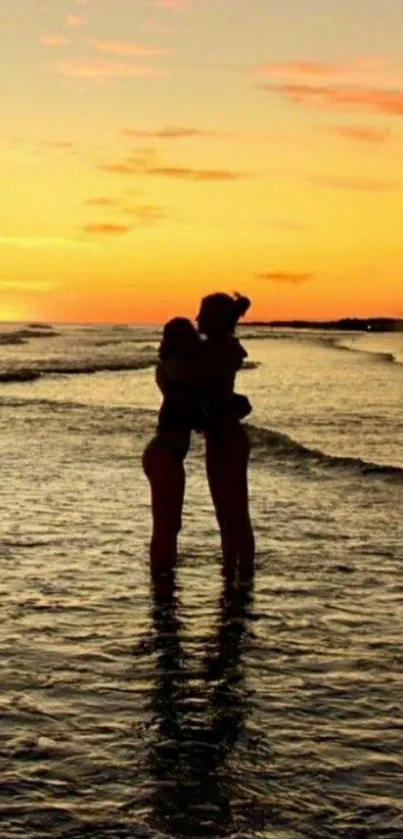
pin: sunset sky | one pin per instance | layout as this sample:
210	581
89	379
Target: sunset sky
152	151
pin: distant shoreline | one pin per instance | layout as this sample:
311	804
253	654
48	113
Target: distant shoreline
343	325
380	324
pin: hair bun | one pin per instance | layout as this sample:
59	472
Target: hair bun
242	304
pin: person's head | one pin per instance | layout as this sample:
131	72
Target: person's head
219	314
180	339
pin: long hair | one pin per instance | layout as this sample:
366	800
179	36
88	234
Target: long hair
180	340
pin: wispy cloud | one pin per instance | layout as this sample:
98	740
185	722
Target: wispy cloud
146	165
287	277
142	214
128	48
27	149
359	67
146	215
170	132
361	133
184	173
369	84
98	69
380	100
49	39
181	172
107	229
102	201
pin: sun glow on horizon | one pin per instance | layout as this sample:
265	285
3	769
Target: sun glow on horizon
148	160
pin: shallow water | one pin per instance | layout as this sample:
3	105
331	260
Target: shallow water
273	710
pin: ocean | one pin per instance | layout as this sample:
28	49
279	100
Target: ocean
274	711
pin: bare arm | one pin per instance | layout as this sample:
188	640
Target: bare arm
161	378
225	359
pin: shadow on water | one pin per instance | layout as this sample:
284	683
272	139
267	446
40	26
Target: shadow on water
198	717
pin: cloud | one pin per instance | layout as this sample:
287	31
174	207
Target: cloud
180	172
143	214
145	165
170	132
368	84
187	174
324	69
355	184
287	277
74	21
99	69
147	214
128	48
107	229
361	133
48	39
102	201
379	100
21	142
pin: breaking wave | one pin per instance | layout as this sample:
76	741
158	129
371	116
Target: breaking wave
283	448
30	374
375	355
21	336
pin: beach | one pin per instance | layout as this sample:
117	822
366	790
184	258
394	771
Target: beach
275	711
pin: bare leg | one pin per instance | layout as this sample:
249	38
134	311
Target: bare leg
227	462
166	474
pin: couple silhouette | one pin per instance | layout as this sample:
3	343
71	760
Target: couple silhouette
196	374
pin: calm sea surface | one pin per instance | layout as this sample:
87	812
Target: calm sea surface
275	711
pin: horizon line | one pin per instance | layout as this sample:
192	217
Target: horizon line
32	322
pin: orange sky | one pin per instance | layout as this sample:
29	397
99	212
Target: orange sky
153	151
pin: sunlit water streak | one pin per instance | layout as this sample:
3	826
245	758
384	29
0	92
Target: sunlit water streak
273	710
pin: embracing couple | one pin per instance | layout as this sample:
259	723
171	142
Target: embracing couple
196	375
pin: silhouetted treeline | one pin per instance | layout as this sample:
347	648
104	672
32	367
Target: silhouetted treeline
344	324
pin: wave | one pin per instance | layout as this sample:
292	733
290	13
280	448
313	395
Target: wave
30	374
250	365
382	356
144	343
19	376
376	355
146	359
284	448
310	337
10	338
21	336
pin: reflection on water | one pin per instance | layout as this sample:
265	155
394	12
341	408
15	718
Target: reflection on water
97	741
197	717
